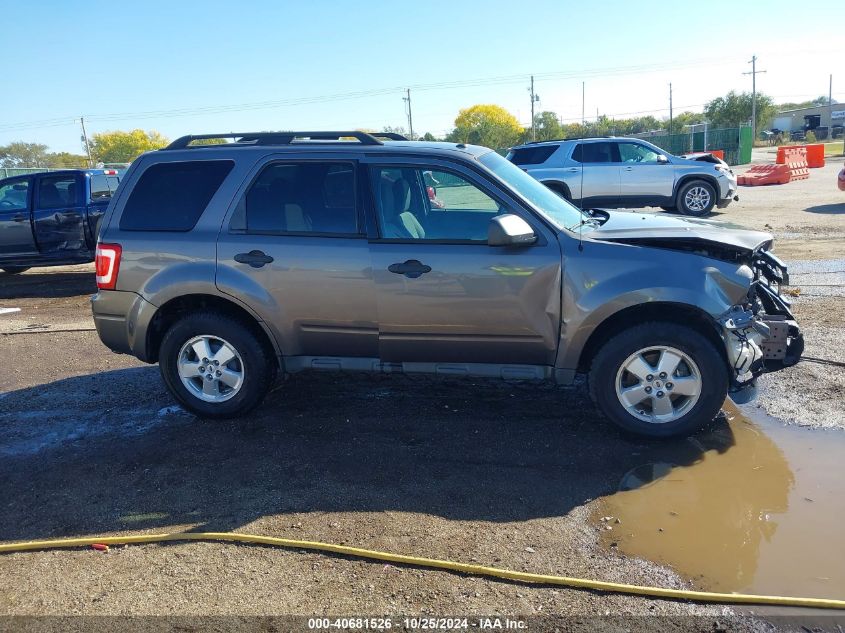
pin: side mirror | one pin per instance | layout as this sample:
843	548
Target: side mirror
662	159
510	230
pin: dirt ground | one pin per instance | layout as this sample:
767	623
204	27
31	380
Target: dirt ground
500	474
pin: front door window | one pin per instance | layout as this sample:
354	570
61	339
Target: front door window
430	204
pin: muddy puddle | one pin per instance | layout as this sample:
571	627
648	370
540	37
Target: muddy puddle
752	506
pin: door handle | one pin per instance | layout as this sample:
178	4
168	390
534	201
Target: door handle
412	268
629	168
573	170
256	259
20	217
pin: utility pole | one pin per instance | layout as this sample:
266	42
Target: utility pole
410	119
830	94
754	72
670	108
85	140
583	117
534	99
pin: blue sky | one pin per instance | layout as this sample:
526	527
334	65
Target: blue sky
190	66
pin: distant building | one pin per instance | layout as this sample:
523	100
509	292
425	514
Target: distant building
818	118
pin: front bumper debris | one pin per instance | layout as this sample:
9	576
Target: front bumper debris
761	334
731	197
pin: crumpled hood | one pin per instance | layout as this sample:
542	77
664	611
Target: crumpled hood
643	228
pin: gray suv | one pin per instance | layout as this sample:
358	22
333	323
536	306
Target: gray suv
627	172
281	252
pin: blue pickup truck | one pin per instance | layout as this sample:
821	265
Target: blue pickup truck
51	218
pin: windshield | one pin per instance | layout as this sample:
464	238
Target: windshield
560	212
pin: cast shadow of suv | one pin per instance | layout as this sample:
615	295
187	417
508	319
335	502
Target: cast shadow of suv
495	453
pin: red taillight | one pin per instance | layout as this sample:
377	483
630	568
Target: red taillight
110	172
107	263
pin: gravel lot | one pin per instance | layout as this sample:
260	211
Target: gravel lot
492	473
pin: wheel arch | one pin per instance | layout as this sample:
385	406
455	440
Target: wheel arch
687	178
171	311
679	313
558	187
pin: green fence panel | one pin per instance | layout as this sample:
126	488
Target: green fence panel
746	142
727	140
8	172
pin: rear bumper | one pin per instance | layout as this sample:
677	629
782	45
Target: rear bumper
122	319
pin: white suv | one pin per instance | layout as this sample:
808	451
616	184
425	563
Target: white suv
626	172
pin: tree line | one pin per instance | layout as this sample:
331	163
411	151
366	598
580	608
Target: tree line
495	127
484	124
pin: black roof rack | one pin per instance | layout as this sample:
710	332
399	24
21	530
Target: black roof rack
571	138
285	138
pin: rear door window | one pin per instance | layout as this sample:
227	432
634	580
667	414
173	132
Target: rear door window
596	153
56	192
173	196
532	155
307	198
103	186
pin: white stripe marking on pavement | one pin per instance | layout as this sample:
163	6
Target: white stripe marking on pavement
9	310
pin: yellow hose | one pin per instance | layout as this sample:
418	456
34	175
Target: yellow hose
431	563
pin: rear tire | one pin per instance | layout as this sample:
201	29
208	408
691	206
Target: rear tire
696	198
628	386
14	270
229	378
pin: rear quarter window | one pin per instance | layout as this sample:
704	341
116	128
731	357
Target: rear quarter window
532	155
173	196
103	187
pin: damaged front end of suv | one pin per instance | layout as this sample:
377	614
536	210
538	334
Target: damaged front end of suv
761	334
742	288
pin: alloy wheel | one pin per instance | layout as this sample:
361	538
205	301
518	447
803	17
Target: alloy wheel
210	368
658	384
697	199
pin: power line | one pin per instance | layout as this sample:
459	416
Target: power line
443	85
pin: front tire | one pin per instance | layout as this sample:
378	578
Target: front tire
659	379
215	366
14	270
696	198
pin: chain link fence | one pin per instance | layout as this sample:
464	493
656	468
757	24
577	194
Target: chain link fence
7	172
734	142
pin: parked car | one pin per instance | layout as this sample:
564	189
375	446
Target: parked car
841	179
50	218
626	172
283	252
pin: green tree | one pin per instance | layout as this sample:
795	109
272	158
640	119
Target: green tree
396	129
21	154
547	126
428	136
124	147
798	105
488	125
209	141
66	160
734	109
